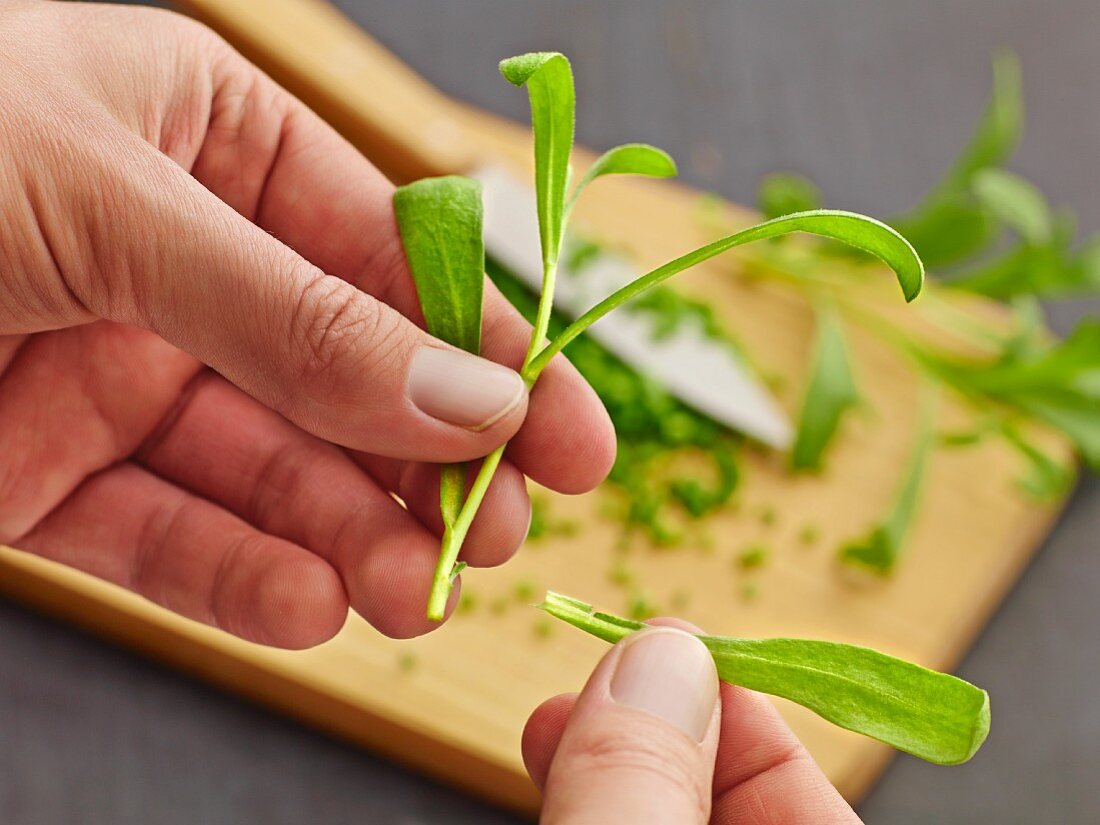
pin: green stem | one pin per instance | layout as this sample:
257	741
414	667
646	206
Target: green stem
455	535
542	316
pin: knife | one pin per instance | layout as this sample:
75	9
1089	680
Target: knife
703	373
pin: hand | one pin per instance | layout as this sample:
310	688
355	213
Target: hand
655	738
212	365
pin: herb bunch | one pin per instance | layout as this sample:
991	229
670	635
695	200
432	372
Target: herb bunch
439	220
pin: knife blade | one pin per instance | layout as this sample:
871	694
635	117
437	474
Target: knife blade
701	372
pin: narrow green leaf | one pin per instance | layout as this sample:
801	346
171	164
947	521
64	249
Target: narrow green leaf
782	193
880	549
1017	202
848	227
628	159
829	394
950	224
440	224
549	81
999	129
932	715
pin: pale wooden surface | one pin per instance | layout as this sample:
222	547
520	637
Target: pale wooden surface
736	614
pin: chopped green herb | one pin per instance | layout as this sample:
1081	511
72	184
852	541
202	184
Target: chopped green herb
641	608
407	661
467	603
749	591
754	557
620	574
524	591
809	534
768	516
543	628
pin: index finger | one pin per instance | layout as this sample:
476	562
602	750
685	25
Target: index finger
764	774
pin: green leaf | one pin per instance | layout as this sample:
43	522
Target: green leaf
932	715
628	159
1046	478
880	549
830	393
1017	202
950	224
782	193
440	224
855	230
549	81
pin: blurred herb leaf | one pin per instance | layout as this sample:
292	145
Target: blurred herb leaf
879	550
782	193
829	394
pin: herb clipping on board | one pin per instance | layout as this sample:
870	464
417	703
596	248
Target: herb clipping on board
549	81
982	230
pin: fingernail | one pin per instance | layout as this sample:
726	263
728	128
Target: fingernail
669	674
462	389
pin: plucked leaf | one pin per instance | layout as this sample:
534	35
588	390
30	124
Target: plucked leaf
549	81
932	715
831	391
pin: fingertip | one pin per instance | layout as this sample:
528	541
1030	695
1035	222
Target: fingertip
542	734
500	526
389	588
568	441
298	605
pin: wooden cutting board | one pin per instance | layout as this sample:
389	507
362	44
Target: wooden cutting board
458	711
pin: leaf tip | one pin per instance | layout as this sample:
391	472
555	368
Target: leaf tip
518	70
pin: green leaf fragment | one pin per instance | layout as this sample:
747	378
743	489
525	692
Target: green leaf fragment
782	193
932	715
880	549
950	223
1017	202
829	394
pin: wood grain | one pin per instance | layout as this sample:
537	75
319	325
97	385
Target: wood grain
457	715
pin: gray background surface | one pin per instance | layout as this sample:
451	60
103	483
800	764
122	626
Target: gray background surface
870	99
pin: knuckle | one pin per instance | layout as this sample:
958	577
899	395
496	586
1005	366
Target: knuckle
340	329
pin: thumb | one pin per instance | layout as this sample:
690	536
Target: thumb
640	743
334	360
